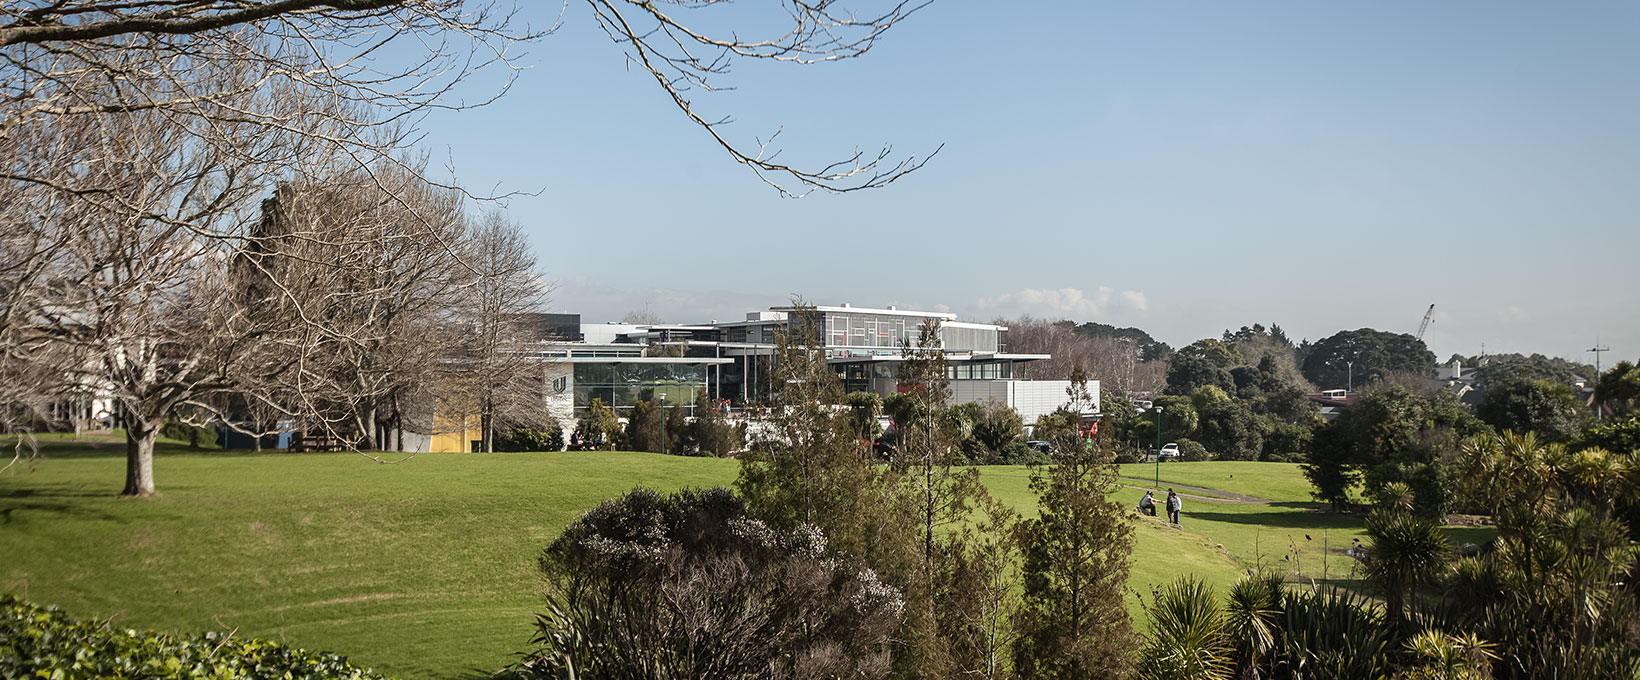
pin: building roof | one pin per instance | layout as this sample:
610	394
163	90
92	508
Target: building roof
888	311
638	360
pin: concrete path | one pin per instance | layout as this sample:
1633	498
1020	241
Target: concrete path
1217	497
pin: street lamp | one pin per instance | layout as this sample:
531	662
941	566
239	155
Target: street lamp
1349	384
663	422
1158	447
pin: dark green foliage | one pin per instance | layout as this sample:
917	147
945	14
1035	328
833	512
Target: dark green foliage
1187	635
1331	636
1071	623
1187	372
43	642
1179	420
1543	406
902	408
679	437
1286	443
1264	631
1554	596
1287	405
598	429
1501	368
711	433
1376	354
1554	590
1619	388
184	432
817	472
1403	551
1252	619
1619	435
531	439
643	428
1392	427
1230	429
1220	353
997	436
863	410
689	586
1192	452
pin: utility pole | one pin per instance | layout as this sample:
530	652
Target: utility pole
1599	408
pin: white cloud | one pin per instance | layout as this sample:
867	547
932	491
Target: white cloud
1136	300
1068	303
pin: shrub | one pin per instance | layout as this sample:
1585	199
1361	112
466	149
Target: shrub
688	585
43	642
711	434
1128	454
1287	443
550	438
1017	453
1191	452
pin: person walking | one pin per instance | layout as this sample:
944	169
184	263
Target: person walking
1147	505
1174	504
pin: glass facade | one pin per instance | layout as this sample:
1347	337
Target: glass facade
868	331
988	370
623	385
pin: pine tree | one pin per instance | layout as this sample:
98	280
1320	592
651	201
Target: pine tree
1072	623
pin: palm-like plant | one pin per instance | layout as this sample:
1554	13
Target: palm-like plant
1253	619
1450	657
1327	636
1187	640
1404	551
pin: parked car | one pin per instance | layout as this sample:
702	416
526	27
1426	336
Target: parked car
1169	451
1037	446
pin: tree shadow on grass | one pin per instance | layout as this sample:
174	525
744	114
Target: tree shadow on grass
60	500
1307	517
70	449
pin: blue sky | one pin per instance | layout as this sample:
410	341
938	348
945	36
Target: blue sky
1182	167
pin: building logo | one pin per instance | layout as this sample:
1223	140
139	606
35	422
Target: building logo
559	384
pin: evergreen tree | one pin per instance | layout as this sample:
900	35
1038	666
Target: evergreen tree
808	467
939	601
1072	623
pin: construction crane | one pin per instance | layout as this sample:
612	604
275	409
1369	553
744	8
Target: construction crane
1425	325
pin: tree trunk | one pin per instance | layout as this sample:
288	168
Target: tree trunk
486	427
139	458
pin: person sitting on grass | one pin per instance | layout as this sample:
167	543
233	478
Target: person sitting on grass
1147	505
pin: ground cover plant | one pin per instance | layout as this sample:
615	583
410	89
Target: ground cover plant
426	568
45	642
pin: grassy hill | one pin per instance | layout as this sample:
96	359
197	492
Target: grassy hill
425	567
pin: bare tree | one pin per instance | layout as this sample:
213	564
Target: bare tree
683	57
508	289
357	262
1115	362
140	138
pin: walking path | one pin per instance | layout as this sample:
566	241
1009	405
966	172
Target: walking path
1217	497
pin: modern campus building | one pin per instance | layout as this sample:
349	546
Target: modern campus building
623	364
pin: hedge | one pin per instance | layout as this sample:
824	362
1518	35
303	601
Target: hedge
43	642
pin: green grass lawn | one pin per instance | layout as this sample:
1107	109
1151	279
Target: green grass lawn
425	568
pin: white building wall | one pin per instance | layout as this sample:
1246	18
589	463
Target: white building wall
1031	398
560	395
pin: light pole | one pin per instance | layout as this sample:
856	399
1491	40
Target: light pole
663	422
1349	384
1158	447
